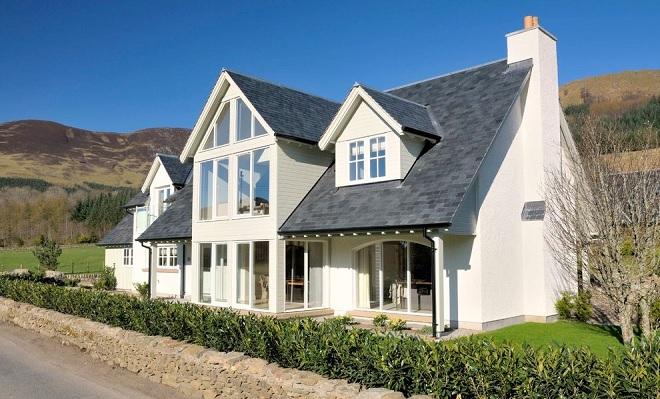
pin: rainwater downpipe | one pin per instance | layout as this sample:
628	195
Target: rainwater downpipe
148	265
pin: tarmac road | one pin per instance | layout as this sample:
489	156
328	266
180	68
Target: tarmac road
33	366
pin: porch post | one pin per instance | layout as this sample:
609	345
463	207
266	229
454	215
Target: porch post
153	270
439	283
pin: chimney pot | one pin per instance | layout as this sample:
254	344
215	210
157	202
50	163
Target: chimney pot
530	22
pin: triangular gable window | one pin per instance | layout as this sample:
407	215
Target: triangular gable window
208	144
222	128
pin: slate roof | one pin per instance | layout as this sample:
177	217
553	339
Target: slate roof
177	171
175	222
468	107
412	116
290	113
122	234
138	199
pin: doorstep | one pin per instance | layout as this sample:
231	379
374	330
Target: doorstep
407	317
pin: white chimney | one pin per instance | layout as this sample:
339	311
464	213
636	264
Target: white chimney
540	135
541	124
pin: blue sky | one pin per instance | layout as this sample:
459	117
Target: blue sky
123	66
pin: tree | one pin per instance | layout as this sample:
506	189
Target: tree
603	207
47	253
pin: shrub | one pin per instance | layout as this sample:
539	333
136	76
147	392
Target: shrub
142	289
574	306
380	320
47	253
107	281
396	324
474	367
564	306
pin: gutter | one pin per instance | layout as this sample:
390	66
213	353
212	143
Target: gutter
149	266
182	292
434	321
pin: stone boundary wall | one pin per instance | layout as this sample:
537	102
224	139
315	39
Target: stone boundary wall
191	369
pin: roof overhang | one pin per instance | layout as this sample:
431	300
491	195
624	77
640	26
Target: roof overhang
152	174
209	111
341	232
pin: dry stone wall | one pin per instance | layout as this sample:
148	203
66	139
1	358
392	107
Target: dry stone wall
193	370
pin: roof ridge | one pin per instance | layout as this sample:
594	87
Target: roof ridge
278	85
446	74
392	95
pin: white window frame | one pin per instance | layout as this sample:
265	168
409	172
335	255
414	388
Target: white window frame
306	277
253	121
378	140
380	267
357	160
170	254
162	206
211	187
250	183
127	259
213	127
214	210
250	292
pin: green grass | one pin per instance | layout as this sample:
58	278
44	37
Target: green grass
570	333
74	259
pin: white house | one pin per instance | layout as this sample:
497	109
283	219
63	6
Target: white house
129	258
425	201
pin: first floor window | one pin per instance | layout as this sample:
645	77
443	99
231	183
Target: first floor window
128	257
253	183
163	195
167	256
356	160
377	157
205	190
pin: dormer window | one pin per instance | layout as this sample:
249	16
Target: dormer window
375	168
163	195
377	157
356	160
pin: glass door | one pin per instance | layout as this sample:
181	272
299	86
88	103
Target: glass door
304	275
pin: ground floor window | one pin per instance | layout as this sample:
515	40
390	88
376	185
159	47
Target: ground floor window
128	257
395	276
205	273
304	275
167	256
252	274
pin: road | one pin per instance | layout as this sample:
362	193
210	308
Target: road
35	367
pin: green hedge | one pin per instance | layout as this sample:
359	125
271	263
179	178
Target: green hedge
471	368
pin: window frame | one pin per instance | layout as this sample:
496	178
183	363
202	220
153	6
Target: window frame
253	122
211	132
162	206
251	294
306	275
380	140
357	143
170	256
127	258
251	213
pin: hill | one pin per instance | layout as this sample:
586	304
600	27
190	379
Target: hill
612	93
64	155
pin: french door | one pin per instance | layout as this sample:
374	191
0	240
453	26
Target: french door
304	274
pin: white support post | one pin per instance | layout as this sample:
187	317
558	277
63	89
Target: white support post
439	271
154	271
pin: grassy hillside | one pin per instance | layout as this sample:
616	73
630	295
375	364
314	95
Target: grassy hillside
612	93
65	156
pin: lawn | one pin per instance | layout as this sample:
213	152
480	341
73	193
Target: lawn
80	259
569	333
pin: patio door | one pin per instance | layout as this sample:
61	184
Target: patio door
304	274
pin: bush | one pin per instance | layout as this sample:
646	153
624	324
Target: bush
380	320
574	306
474	367
142	289
47	253
396	324
107	281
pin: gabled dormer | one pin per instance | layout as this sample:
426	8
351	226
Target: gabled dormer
377	136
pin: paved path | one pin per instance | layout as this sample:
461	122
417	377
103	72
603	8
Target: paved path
35	367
